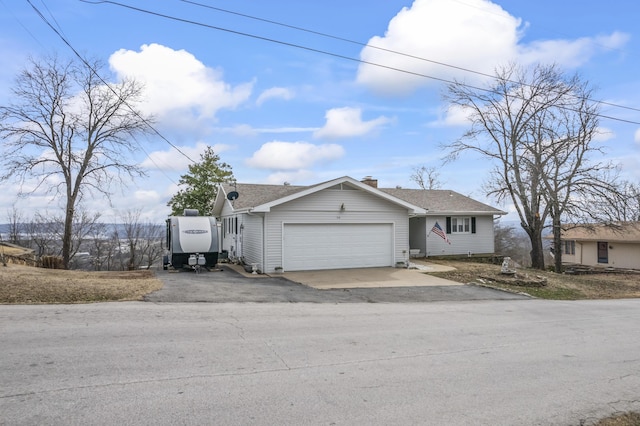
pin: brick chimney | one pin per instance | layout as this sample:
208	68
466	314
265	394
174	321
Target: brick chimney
368	180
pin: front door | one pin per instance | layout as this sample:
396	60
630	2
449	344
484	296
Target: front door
603	252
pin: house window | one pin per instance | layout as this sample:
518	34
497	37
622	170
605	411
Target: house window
569	247
460	225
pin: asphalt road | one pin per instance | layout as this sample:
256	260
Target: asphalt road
226	285
508	362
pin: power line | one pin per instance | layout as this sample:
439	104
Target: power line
383	49
336	55
24	27
95	72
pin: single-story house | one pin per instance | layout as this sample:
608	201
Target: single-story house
616	245
347	223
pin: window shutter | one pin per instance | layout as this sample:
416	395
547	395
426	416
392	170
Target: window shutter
448	224
473	225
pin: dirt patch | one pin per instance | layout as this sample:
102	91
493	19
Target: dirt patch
558	286
29	285
626	419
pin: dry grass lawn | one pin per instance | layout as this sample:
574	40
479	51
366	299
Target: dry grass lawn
24	284
559	286
626	419
13	251
28	285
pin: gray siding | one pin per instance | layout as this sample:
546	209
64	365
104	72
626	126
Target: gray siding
417	237
325	207
480	242
252	239
228	241
247	243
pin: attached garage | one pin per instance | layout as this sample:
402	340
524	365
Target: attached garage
338	224
337	245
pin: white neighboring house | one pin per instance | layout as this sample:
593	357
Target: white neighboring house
344	223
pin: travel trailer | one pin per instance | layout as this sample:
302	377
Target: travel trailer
192	242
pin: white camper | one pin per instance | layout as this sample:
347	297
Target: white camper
192	241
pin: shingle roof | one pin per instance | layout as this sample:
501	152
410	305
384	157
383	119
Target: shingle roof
622	232
435	201
253	194
441	201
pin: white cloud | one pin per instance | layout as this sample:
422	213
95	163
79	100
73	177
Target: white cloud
475	34
290	177
274	93
293	155
347	122
636	136
174	160
569	53
453	115
247	130
603	134
178	87
147	196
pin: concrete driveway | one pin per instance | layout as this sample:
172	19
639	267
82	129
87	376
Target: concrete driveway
372	277
230	284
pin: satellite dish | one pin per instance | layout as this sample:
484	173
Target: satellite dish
233	195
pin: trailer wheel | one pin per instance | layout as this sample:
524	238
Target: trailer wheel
165	262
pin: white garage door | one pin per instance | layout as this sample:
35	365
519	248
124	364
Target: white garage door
337	246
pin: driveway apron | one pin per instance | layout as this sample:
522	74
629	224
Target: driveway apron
225	285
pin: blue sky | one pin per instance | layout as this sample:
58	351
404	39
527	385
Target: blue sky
276	112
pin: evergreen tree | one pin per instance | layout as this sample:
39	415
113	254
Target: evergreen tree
200	184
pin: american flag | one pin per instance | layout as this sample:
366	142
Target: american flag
438	231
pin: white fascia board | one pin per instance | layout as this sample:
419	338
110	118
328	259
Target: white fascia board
465	213
412	208
218	202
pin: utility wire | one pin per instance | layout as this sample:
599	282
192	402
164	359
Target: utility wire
52	17
86	63
324	52
383	49
24	27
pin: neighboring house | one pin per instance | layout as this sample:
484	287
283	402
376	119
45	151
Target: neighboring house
346	223
616	246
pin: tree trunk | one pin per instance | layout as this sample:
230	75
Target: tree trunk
67	233
557	244
537	251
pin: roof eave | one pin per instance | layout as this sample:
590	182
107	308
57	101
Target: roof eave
467	212
413	209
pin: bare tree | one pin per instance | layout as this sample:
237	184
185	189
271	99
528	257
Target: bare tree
536	126
426	177
132	236
70	132
99	246
509	242
84	226
602	205
43	232
151	248
143	241
16	225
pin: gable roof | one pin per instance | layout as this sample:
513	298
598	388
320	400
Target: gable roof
621	232
442	201
260	198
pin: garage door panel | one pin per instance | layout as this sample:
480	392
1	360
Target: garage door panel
335	246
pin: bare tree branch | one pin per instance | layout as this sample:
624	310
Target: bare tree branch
70	133
537	127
